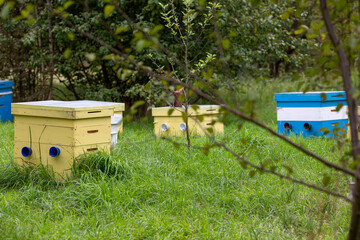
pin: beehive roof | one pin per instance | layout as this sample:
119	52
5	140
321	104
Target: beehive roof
310	96
64	109
193	110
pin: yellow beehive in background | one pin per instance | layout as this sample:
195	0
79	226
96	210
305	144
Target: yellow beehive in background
348	131
174	123
54	133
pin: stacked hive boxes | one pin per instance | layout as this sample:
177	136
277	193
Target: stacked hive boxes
6	100
170	121
54	133
116	119
307	113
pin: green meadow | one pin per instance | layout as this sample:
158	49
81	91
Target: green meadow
149	188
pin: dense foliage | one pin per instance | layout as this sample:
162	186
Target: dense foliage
258	41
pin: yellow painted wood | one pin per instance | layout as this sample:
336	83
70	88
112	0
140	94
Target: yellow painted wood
62	109
60	122
66	136
122	121
348	132
61	165
210	120
203	110
119	108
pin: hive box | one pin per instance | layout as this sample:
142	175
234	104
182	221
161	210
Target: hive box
54	133
6	100
174	123
116	119
307	113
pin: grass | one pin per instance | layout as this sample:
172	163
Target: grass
149	189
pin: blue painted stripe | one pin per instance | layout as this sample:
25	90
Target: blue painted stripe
6	99
5	113
310	96
6	85
310	104
297	127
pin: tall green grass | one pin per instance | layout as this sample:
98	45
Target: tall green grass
151	189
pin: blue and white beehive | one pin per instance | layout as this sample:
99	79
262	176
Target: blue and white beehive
306	113
6	100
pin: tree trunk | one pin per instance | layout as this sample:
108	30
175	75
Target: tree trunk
51	51
344	66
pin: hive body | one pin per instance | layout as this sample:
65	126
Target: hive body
204	117
6	100
74	127
307	113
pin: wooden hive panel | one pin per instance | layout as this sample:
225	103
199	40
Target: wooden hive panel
73	134
61	165
210	114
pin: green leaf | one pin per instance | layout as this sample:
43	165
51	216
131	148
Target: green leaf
111	57
353	164
195	107
121	29
255	3
339	106
325	130
176	145
225	43
125	74
326	180
266	163
2	2
200	118
323	97
31	21
71	36
205	150
108	9
181	98
171	110
68	4
136	105
243	164
67	53
287	13
252	173
156	29
6	9
208	74
311	35
184	116
299	31
288	168
24	13
210	130
141	44
202	3
298	12
90	56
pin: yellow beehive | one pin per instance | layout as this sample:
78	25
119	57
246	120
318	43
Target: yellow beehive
119	109
54	133
174	124
348	128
